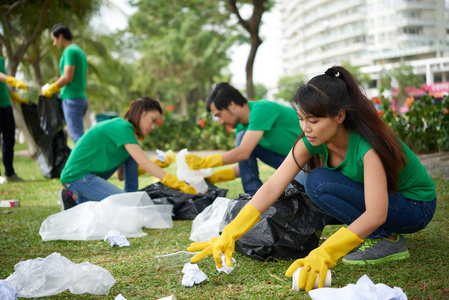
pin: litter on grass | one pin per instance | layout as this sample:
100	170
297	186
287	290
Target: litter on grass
362	290
126	212
55	274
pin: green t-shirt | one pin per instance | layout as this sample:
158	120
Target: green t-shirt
279	122
414	181
99	150
73	55
4	94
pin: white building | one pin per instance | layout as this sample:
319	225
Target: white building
373	34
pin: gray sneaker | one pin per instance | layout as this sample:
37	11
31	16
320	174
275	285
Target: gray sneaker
377	251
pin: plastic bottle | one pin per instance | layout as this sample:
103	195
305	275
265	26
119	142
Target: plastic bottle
172	260
327	281
192	177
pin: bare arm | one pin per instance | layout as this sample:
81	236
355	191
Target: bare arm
139	156
67	77
3	77
376	197
242	152
273	188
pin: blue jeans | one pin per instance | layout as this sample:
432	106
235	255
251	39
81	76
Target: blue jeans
249	170
7	132
74	111
96	188
344	199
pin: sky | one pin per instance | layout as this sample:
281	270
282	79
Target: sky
267	66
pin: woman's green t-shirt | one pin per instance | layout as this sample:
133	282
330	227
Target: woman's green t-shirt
99	150
414	181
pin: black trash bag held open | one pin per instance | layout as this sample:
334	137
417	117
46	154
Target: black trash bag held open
45	122
185	206
288	229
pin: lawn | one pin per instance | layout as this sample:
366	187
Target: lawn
425	275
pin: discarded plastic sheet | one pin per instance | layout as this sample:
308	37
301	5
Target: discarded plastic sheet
55	274
206	225
7	292
116	239
127	213
192	275
363	289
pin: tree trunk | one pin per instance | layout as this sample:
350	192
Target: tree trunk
252	26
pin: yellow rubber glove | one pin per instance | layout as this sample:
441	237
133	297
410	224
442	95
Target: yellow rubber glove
225	243
53	88
221	176
322	258
170	157
15	98
173	182
195	162
12	81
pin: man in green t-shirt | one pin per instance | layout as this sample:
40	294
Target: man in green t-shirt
72	83
7	125
264	129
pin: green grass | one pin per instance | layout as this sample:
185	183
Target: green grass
425	275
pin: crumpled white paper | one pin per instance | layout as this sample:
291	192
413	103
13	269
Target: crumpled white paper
225	267
364	289
192	275
116	239
160	155
126	212
55	274
7	292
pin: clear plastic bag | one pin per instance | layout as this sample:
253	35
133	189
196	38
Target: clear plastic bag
54	274
206	225
127	213
193	177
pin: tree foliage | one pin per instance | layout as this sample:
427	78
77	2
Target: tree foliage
183	47
288	85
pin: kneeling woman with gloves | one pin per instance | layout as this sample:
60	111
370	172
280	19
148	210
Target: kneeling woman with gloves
359	172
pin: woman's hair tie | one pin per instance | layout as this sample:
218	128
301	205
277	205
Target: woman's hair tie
332	72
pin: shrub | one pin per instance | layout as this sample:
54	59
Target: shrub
196	131
425	127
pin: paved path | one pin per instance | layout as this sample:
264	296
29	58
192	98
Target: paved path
436	163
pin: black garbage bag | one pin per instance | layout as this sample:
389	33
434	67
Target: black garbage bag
290	228
185	206
45	122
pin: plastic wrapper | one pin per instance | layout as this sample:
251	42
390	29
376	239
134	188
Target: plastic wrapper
185	206
45	122
290	228
207	224
54	274
127	212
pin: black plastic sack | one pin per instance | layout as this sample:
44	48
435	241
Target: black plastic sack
45	122
290	228
185	206
50	114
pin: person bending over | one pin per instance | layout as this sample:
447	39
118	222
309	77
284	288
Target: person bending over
106	146
264	129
